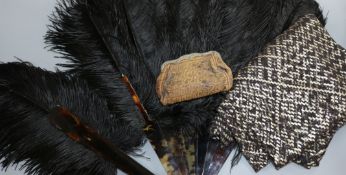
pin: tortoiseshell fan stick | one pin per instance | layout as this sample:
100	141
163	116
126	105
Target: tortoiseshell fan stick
75	129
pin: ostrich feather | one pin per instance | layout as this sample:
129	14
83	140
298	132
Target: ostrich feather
144	34
92	57
237	29
27	94
72	33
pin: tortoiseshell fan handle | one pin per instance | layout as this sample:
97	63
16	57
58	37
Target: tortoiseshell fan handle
172	163
136	99
76	130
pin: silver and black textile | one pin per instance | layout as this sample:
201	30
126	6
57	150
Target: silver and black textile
289	101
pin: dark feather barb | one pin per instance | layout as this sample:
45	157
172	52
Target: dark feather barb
103	39
26	94
29	100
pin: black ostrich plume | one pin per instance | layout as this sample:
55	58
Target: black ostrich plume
141	35
28	95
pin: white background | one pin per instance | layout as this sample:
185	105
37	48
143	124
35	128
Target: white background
24	22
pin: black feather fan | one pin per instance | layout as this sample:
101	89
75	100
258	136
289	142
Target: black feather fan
73	34
26	96
237	29
141	35
80	41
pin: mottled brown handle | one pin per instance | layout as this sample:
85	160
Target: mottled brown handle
76	130
136	99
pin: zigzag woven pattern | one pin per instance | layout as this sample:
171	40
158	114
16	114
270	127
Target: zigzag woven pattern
289	101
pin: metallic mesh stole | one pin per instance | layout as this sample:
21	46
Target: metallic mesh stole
289	101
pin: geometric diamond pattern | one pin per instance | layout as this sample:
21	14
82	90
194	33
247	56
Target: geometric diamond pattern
288	102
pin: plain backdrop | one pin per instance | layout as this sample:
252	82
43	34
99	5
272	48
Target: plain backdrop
24	22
